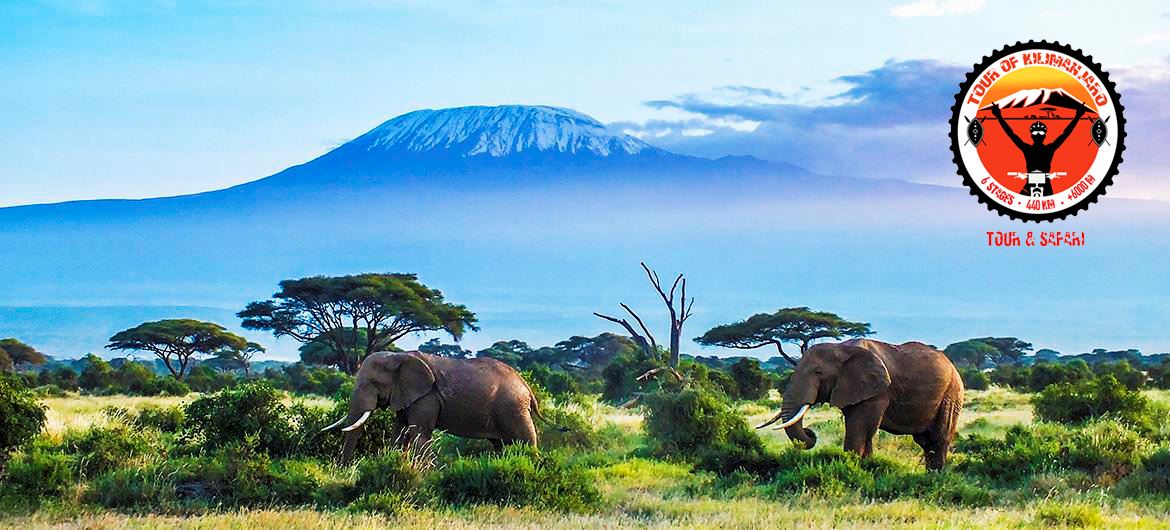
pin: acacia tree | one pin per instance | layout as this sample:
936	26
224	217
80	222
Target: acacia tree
799	325
239	358
336	310
13	352
678	316
177	341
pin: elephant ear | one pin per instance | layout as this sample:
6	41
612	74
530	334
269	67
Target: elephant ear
412	380
863	375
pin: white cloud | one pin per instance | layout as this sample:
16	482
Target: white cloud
936	8
1151	38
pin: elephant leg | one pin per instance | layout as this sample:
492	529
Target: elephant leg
942	431
519	428
934	451
861	424
421	419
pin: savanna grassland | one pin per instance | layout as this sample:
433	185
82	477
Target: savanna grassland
626	479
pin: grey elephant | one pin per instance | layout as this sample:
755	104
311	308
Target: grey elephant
474	398
909	389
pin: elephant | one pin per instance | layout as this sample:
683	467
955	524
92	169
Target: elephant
474	398
909	388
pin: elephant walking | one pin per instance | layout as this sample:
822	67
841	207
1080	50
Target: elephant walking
473	398
909	389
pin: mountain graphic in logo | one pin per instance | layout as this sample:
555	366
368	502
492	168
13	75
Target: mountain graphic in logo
1031	97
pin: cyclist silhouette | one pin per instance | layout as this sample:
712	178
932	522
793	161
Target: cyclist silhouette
1038	155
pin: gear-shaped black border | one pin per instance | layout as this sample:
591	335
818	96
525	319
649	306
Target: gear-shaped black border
1102	75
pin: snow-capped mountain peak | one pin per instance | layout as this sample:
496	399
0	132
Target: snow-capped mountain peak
1038	96
499	131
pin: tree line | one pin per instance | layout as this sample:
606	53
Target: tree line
341	319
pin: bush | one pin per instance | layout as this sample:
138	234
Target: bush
385	503
390	471
132	488
828	471
751	382
40	472
1153	478
567	426
1073	403
165	419
102	448
1107	450
520	476
833	472
700	425
1044	375
21	418
558	383
974	379
253	408
1125	373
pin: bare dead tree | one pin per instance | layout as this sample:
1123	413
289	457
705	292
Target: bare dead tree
679	313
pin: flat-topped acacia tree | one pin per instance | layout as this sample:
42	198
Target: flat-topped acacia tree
13	352
177	341
386	307
799	325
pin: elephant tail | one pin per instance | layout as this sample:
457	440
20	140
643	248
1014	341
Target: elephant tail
534	407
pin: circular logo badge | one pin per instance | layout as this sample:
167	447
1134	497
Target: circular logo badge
1037	131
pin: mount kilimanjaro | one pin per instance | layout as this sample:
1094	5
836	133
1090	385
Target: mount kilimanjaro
534	217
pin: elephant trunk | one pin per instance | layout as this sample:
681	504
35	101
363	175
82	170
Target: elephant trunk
351	438
798	397
361	406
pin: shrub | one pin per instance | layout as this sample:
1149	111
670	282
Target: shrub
40	472
21	418
165	419
700	425
238	474
1044	375
253	408
558	383
1153	478
519	476
828	471
567	426
1078	402
386	503
1125	373
390	471
1066	515
751	382
102	448
131	488
1108	450
974	379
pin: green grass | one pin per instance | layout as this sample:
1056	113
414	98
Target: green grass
641	492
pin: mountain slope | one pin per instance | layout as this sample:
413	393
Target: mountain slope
536	217
498	131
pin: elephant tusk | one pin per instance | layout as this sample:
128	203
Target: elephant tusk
359	422
334	424
771	421
795	418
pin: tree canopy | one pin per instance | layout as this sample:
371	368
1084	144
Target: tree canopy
238	358
336	309
14	352
984	351
799	325
177	341
436	347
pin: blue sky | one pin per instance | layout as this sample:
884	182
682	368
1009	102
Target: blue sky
138	99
